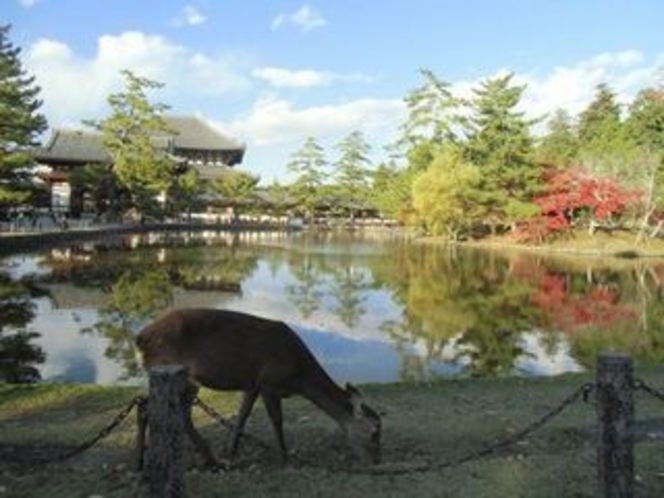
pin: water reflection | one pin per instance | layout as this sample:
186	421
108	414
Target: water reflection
372	308
19	356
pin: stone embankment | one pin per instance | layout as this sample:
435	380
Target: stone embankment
12	242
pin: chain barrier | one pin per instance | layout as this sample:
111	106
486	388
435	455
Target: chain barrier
215	415
119	418
640	384
583	392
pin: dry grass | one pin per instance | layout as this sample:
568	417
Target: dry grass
422	423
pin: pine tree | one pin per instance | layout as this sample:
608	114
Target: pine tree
308	164
599	123
352	168
141	165
500	144
20	123
431	112
645	124
559	146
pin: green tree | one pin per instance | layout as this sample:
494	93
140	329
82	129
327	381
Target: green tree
20	123
645	124
432	112
136	137
645	128
559	145
308	163
445	196
599	123
606	148
237	188
391	191
97	183
187	193
500	144
352	169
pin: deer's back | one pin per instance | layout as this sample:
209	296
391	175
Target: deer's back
227	350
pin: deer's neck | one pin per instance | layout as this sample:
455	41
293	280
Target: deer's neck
329	397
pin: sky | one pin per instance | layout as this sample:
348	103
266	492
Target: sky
273	72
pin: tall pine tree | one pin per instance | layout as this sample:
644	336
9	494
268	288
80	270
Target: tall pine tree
559	146
141	166
500	145
308	163
20	123
352	168
599	123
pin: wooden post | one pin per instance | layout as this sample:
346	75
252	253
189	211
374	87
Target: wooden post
165	451
615	415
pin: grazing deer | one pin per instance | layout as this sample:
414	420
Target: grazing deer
231	351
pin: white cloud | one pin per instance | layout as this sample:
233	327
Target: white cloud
303	78
74	87
306	18
273	120
573	87
190	16
28	3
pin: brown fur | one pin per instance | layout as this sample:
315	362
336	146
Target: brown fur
226	350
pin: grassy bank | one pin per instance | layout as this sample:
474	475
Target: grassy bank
580	243
422	423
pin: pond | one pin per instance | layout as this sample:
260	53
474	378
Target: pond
373	307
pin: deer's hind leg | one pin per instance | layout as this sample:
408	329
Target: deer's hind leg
272	402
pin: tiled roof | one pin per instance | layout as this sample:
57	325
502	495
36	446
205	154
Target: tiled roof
191	133
73	146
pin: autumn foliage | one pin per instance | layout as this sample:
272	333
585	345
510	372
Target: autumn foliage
573	198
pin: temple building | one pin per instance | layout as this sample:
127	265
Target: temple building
194	144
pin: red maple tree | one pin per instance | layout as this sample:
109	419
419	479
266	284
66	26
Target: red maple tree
572	197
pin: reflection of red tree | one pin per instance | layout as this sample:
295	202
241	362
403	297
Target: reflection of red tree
598	305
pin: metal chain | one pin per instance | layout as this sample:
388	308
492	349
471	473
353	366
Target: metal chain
655	393
119	418
582	392
214	414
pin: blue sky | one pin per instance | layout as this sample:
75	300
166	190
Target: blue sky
271	73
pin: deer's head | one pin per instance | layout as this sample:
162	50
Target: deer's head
364	429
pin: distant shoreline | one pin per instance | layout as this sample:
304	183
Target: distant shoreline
13	242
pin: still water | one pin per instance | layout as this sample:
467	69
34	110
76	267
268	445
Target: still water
373	308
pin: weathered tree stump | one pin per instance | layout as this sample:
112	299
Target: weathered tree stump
615	415
165	450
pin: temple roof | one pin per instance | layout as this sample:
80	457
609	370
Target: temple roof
73	147
192	134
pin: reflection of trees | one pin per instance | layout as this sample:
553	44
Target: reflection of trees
189	260
464	299
136	298
18	356
348	285
502	313
335	275
227	266
306	293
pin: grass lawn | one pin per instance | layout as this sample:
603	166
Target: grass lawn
422	423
